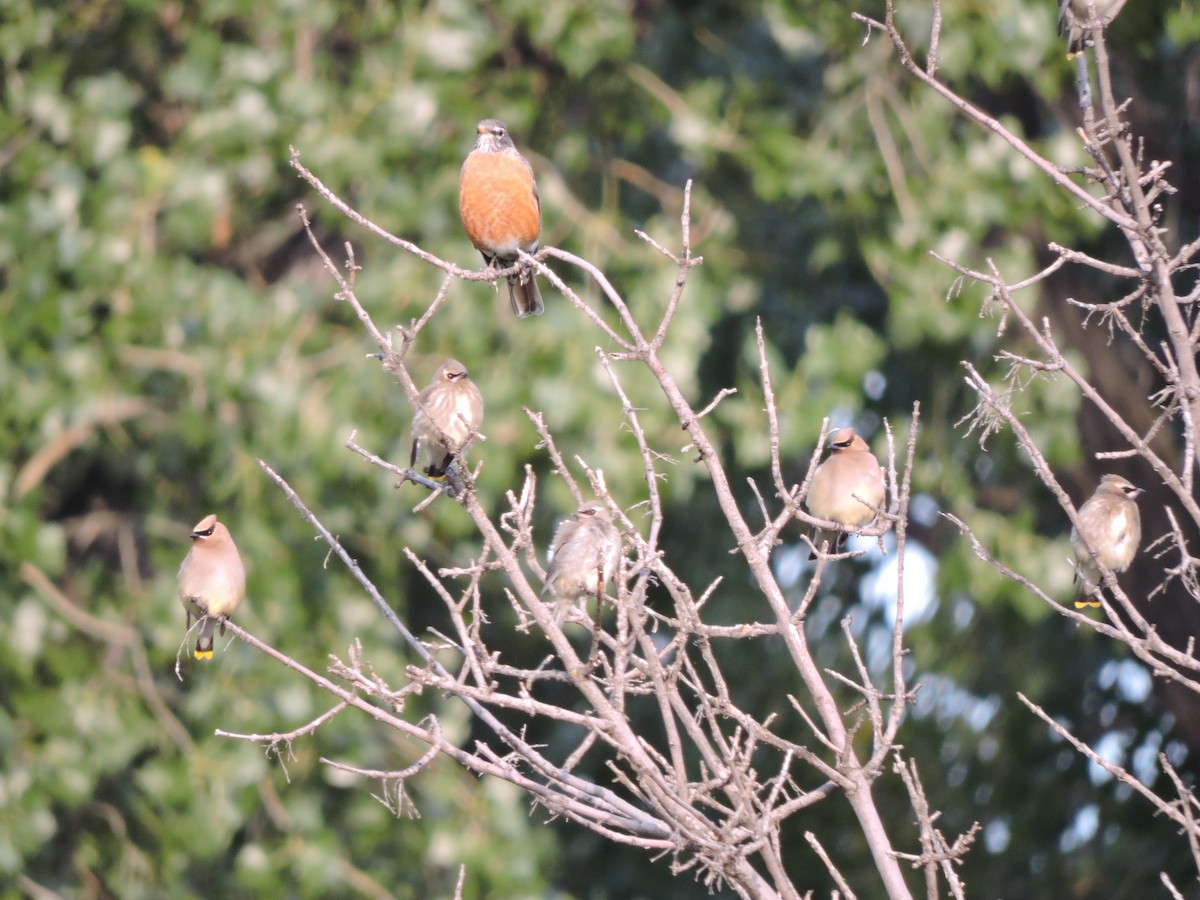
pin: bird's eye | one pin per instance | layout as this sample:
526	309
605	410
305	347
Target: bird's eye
207	532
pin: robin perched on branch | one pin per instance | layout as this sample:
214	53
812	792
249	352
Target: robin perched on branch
501	210
212	581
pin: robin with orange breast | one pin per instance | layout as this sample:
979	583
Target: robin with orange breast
501	210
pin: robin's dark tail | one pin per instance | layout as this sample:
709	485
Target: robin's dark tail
525	296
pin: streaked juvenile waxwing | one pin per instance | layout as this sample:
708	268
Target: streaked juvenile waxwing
449	412
212	581
1110	522
847	488
1073	18
584	556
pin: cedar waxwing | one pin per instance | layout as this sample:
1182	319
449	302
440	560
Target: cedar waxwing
1073	17
212	581
449	412
1112	525
584	556
847	488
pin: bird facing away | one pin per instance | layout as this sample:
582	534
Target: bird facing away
212	581
584	556
847	488
1110	522
449	413
1073	17
501	209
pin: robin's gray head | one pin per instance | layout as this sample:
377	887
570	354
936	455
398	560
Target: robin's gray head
492	136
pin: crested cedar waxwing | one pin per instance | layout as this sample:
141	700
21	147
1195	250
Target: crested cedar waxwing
1073	17
501	210
212	581
847	488
1112	525
584	556
449	412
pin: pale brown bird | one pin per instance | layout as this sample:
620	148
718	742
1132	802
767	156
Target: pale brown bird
1110	522
1073	18
501	209
449	413
212	581
584	556
847	488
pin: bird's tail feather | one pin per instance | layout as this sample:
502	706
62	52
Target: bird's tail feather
525	296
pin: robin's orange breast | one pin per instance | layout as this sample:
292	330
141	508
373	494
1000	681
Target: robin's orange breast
499	204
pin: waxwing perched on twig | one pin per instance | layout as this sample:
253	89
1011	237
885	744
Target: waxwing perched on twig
212	581
584	556
848	488
1074	15
1110	522
449	412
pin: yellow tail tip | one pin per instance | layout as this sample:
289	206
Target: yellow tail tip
1080	604
203	654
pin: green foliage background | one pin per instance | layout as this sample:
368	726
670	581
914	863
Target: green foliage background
165	324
